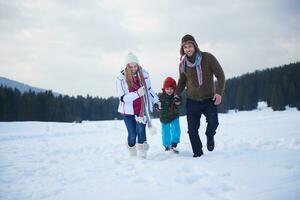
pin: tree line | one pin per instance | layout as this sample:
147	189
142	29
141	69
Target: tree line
44	106
279	87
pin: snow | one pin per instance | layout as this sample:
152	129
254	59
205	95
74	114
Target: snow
256	157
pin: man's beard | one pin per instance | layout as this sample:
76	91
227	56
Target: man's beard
192	58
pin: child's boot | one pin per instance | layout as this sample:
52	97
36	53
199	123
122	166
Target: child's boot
174	148
167	148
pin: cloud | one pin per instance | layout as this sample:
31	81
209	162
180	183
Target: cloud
78	47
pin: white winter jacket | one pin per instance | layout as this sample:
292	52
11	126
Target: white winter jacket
126	98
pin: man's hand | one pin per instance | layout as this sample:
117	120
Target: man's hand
217	98
177	99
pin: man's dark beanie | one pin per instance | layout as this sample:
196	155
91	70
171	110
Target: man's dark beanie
188	38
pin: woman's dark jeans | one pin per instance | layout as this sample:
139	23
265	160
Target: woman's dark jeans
135	130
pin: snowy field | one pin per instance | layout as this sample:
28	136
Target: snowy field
257	156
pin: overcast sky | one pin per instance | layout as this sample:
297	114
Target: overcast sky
77	47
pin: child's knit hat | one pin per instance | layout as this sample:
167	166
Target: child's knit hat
169	83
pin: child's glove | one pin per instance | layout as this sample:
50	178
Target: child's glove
157	106
177	100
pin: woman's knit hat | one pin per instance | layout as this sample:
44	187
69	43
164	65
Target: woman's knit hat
169	83
131	58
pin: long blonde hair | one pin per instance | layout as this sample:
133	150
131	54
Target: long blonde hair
128	75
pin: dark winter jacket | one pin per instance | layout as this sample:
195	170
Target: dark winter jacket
210	68
169	110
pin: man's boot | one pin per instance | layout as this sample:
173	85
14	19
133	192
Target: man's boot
210	143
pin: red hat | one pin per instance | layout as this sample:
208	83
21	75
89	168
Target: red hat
169	82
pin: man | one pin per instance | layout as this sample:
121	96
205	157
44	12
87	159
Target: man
197	70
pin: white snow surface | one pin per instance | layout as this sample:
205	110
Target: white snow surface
257	156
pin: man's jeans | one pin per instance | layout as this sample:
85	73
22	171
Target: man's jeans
194	111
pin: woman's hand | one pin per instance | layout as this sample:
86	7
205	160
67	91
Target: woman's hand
141	91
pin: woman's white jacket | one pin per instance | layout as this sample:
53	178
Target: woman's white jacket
126	98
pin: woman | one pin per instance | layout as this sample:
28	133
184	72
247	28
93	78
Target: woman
131	83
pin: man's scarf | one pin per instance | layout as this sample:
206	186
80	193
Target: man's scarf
185	63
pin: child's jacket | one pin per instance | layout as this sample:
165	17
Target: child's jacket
169	110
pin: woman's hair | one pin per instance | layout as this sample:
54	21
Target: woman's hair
128	75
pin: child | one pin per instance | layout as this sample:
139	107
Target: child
169	116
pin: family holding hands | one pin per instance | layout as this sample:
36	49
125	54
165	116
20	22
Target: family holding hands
197	70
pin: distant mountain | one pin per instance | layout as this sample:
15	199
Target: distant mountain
21	86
